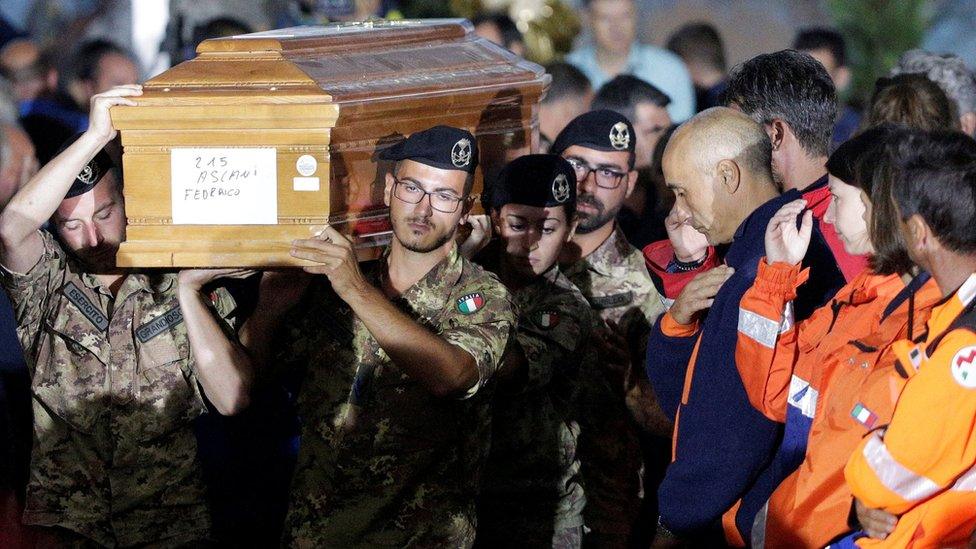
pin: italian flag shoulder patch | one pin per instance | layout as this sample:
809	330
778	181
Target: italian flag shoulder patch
864	416
470	303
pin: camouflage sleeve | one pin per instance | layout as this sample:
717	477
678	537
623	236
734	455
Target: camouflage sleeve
480	322
30	292
551	337
637	322
227	311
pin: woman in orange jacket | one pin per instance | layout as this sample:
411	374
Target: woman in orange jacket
827	378
920	468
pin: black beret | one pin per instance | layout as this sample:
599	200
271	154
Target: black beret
91	174
602	130
442	147
540	180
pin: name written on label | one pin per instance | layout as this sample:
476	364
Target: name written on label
213	171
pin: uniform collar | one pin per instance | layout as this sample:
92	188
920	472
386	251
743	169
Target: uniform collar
433	290
608	257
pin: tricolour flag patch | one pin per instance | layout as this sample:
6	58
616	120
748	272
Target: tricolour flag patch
548	319
470	303
864	416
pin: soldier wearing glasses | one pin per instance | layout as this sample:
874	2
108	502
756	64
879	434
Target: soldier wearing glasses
615	396
397	358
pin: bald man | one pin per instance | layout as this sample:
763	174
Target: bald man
718	165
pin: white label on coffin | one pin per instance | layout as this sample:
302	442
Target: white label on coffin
224	186
305	183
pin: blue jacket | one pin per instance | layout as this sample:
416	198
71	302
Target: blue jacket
722	444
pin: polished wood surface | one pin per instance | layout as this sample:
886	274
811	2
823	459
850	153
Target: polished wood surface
338	93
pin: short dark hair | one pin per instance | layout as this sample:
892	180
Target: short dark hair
86	58
506	27
567	81
624	92
866	161
935	178
699	42
791	86
911	100
822	38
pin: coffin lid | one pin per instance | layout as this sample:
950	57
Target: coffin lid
345	63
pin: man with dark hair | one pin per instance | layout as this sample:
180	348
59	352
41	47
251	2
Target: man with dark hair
700	46
499	29
827	46
615	50
912	478
718	165
615	397
399	358
569	96
644	105
791	95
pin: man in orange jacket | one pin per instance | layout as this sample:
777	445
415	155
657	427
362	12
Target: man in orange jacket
921	468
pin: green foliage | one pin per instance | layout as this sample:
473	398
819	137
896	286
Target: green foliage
877	33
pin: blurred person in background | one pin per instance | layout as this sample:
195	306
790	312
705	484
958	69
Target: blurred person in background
615	50
952	75
700	46
910	100
499	29
828	47
569	96
30	73
59	113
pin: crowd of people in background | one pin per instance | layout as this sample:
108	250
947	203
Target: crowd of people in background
717	308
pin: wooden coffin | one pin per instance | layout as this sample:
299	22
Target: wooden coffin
265	137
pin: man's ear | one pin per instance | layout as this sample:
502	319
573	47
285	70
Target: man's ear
842	78
729	175
631	182
388	189
466	204
776	130
923	241
967	123
573	223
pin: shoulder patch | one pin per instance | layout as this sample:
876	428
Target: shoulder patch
87	308
611	301
158	325
963	367
547	319
470	303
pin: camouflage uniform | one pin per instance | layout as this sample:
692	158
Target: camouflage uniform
532	492
383	461
615	281
114	394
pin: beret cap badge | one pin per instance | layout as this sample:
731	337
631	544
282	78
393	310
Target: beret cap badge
619	136
461	153
560	189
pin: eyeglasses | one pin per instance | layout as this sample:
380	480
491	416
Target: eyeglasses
606	178
411	193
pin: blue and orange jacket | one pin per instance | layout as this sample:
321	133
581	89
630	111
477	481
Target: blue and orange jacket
721	443
826	378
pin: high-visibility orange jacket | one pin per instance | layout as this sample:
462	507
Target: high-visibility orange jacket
922	466
827	378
